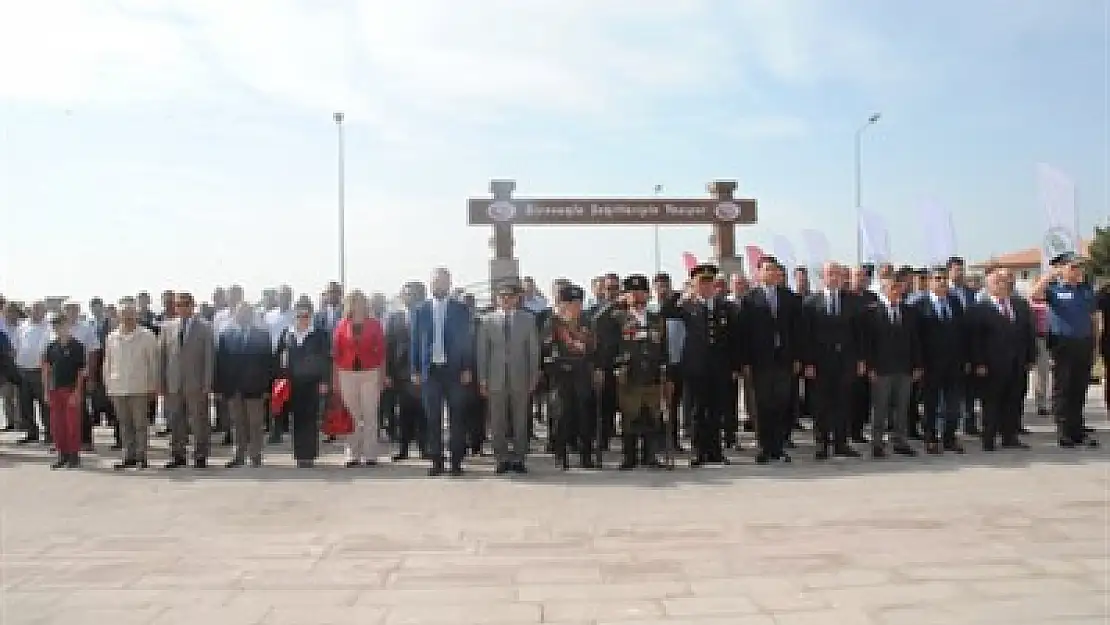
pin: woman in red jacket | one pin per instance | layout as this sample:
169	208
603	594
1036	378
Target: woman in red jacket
358	350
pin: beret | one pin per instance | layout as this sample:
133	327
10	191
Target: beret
571	293
704	271
636	282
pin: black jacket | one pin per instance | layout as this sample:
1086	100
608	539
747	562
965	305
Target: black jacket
892	348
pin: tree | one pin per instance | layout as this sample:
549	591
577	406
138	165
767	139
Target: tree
1099	252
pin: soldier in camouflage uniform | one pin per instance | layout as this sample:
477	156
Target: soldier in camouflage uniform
639	360
568	348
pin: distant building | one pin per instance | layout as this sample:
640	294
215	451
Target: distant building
1026	264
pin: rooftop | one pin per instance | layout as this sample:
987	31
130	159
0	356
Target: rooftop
1023	259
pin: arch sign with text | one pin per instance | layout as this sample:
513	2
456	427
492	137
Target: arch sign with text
502	211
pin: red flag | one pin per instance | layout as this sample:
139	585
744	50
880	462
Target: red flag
754	253
689	261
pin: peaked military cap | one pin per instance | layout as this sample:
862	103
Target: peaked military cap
937	270
636	282
705	271
1066	258
571	293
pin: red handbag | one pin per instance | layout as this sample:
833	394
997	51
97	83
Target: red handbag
337	421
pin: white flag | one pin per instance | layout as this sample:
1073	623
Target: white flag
783	249
874	237
940	235
1056	193
817	247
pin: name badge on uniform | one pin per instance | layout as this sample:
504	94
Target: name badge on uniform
641	335
1065	295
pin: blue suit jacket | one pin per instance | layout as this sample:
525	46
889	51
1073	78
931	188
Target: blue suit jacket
458	340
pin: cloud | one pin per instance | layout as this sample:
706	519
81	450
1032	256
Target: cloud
430	58
768	127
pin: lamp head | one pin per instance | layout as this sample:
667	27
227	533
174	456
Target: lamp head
874	119
338	117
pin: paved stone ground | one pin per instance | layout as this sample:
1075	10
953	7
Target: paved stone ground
1011	538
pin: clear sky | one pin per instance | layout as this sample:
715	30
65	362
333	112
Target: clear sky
152	144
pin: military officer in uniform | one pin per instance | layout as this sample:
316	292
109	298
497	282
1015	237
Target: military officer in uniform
601	317
568	348
711	360
637	353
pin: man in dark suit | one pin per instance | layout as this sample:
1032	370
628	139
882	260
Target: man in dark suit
945	357
773	344
398	367
833	361
711	359
245	369
892	351
959	286
1002	351
443	368
863	299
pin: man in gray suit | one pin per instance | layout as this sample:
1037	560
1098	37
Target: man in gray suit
508	372
188	358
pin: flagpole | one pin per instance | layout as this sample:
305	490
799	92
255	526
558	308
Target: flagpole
871	121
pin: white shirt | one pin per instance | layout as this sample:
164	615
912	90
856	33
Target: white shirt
277	321
943	310
439	316
536	303
892	312
30	344
84	332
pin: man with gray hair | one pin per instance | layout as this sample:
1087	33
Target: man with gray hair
130	380
892	357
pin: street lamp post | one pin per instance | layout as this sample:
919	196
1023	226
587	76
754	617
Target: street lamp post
342	200
871	121
658	257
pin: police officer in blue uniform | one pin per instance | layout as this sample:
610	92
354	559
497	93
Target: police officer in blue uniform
1071	307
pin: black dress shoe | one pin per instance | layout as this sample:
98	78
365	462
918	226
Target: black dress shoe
953	446
305	464
116	447
235	464
1090	442
404	455
370	463
519	468
695	463
846	452
627	465
821	454
762	458
904	450
971	429
456	471
126	464
435	470
200	463
785	457
1024	431
27	441
1043	412
61	463
176	463
878	452
1013	444
502	468
351	464
859	439
988	446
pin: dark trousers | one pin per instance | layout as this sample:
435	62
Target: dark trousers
831	414
571	421
607	398
1003	400
674	403
943	403
1071	376
442	389
410	419
860	406
477	420
304	408
970	390
706	397
31	393
773	385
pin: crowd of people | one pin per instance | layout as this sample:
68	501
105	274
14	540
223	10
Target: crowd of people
877	357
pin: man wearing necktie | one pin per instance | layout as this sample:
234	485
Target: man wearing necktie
832	361
893	358
508	372
772	327
188	359
1002	345
244	374
945	357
